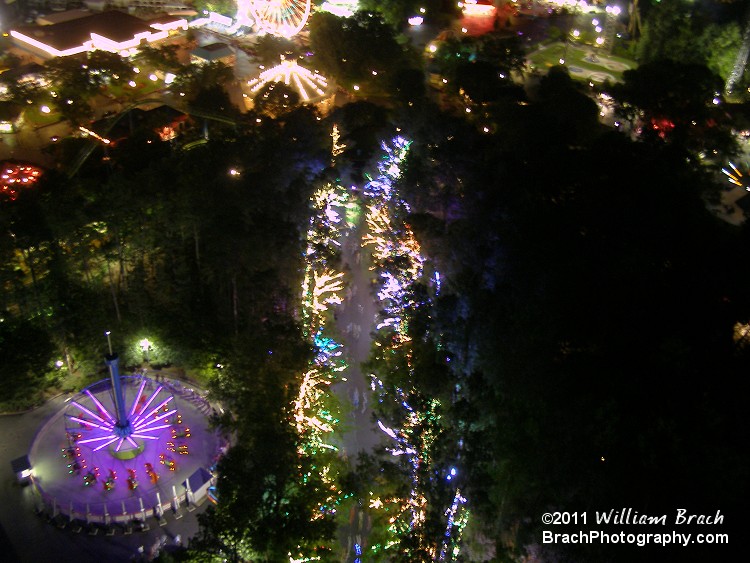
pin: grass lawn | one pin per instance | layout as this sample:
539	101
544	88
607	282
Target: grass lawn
36	118
143	88
579	61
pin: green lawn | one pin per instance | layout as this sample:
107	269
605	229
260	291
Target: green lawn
578	59
143	88
35	117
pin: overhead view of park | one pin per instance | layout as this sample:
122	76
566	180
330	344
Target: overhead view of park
374	280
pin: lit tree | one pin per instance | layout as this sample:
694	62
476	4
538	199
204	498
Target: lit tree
740	62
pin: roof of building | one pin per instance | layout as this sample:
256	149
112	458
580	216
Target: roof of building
114	25
20	464
213	52
199	478
59	17
164	19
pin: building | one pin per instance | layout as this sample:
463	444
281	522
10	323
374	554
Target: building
113	31
215	52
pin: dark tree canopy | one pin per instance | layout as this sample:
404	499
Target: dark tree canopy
677	102
275	99
350	49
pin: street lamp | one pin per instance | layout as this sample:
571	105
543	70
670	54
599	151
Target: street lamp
145	345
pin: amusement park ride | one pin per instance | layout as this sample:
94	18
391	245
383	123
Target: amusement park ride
123	433
285	18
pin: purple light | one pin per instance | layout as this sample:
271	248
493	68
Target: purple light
90	423
101	406
87	411
150	400
143	424
152	429
137	398
88	440
104	445
153	412
105	432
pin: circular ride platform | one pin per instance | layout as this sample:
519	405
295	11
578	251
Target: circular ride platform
87	467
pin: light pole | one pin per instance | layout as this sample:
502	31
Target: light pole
145	345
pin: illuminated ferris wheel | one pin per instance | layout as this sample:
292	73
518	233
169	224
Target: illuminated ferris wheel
281	17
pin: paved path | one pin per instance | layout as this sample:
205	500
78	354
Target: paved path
355	321
356	318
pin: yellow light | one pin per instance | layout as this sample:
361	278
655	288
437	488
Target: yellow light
356	87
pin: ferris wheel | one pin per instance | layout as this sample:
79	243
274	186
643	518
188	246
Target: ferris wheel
281	17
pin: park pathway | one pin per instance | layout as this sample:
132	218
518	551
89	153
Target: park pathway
355	321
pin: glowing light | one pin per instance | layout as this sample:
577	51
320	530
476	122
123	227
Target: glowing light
101	427
600	40
45	109
414	432
734	176
415	20
478	8
338	148
308	84
341	8
94	134
16	176
285	18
